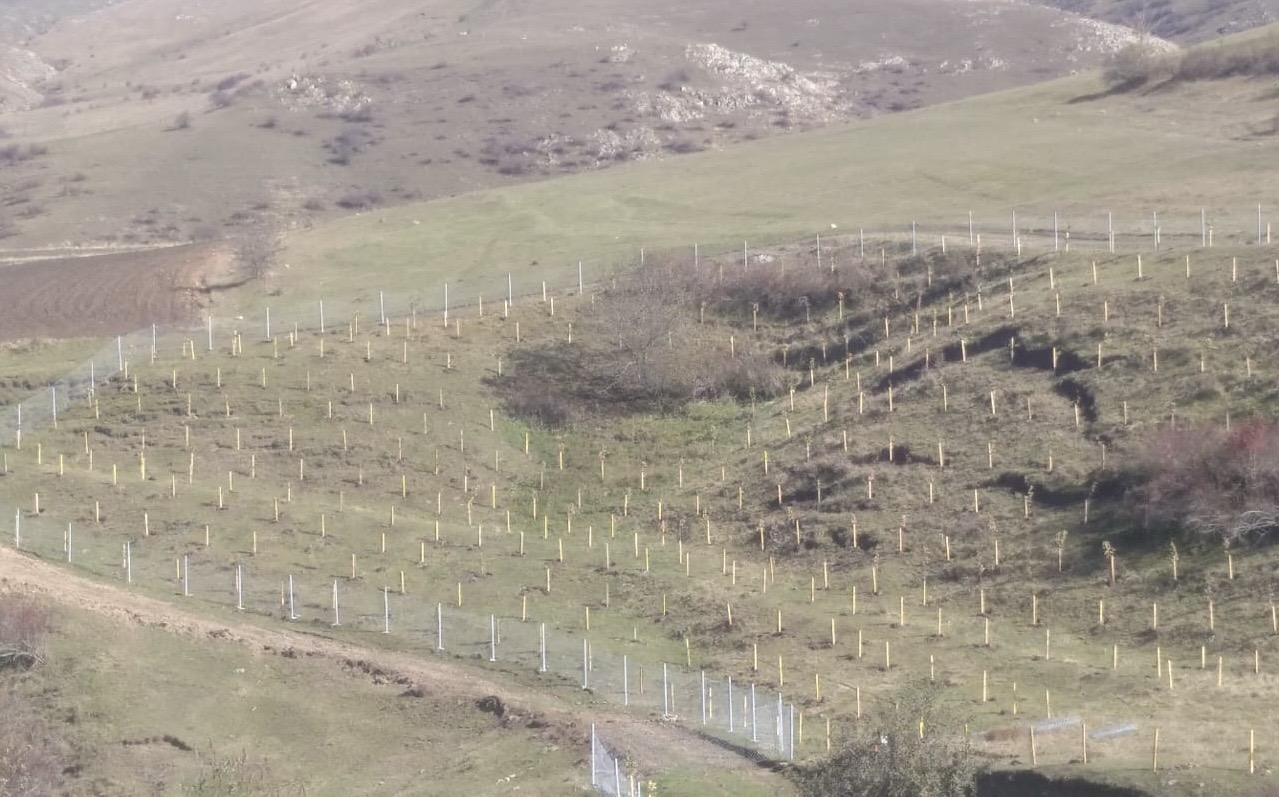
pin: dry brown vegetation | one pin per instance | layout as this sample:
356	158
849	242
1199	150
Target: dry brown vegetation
1141	64
1219	482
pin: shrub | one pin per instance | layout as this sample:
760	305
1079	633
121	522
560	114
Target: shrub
633	352
24	623
1137	64
1224	484
899	761
359	200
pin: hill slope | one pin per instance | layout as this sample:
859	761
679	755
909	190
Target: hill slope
163	120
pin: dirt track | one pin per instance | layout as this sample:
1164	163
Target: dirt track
105	295
655	746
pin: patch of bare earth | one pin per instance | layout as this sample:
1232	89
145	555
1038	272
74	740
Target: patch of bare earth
102	295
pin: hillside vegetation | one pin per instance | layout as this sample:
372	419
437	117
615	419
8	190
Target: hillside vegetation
1034	468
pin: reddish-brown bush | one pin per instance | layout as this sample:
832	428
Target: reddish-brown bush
1216	482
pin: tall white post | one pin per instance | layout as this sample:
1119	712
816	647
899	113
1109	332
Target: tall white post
446	304
666	693
210	329
792	731
696	257
492	637
510	289
581	288
914	248
239	587
1110	230
292	614
128	562
730	705
337	617
754	720
381	303
542	646
1056	238
153	338
93	381
119	353
594	780
745	259
17	529
703	697
586	665
781	724
321	317
971	239
439	626
386	610
268	324
617	777
69	546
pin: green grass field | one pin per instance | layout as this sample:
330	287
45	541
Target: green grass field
376	457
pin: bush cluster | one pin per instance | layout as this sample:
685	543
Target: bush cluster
1217	482
1143	63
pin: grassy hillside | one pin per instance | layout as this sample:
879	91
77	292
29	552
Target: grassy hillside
138	709
884	469
156	121
1063	146
988	457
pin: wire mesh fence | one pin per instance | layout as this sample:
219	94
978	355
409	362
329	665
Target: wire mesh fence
742	713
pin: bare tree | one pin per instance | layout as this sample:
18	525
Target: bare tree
256	250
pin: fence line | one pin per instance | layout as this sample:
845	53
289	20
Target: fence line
739	711
1025	232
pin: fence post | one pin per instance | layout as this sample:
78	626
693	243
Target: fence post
337	617
386	610
666	693
492	637
239	587
186	569
703	697
781	725
754	718
594	744
792	731
542	645
439	626
292	614
128	562
730	705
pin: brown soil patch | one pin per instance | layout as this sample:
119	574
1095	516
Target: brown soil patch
104	295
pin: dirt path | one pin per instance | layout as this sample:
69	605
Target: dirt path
656	746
